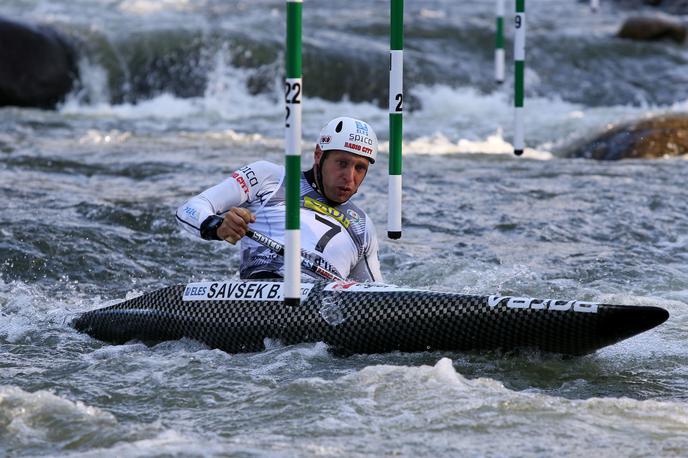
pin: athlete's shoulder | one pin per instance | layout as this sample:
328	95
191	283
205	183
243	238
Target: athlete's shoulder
258	177
357	218
262	169
363	225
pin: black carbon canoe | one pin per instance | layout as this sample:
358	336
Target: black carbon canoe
238	316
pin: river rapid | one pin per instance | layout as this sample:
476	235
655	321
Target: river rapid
176	94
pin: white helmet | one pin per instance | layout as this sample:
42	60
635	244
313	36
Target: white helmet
350	135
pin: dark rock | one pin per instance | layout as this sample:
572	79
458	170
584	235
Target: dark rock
655	27
37	65
657	137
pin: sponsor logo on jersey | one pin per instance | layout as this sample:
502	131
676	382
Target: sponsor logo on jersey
241	181
315	205
315	260
239	291
351	213
250	175
542	304
191	213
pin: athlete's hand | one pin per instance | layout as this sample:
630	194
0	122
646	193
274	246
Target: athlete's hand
235	224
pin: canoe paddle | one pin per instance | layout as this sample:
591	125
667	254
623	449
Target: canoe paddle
306	263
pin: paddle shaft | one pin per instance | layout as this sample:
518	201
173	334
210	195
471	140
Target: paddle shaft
278	248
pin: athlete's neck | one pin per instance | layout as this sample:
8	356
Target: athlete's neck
315	181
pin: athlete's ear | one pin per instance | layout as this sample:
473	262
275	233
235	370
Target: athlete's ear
317	154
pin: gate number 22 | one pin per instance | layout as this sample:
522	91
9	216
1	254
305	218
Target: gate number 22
295	98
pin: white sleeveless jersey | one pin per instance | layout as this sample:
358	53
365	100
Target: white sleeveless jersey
341	238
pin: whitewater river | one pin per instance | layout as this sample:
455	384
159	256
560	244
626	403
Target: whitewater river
177	94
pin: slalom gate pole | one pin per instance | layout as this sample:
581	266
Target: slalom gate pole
499	43
396	98
292	154
519	78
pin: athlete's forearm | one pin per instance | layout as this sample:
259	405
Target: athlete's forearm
193	213
214	201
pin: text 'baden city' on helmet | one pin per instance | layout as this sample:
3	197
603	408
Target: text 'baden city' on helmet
350	135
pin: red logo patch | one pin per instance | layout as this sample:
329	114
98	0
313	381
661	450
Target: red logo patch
241	181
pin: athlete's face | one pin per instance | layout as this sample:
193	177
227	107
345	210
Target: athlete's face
342	173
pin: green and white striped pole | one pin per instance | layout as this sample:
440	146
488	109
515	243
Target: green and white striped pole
499	43
519	69
594	5
292	155
396	98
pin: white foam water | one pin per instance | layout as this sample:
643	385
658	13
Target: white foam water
451	120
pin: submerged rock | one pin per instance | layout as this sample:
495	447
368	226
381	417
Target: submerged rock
648	138
37	65
655	27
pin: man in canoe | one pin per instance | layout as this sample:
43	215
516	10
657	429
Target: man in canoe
335	234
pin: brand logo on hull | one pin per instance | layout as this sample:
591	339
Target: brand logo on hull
542	304
359	287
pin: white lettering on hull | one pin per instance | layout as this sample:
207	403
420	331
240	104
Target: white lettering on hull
542	304
239	291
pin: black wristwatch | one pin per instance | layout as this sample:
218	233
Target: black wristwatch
210	226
